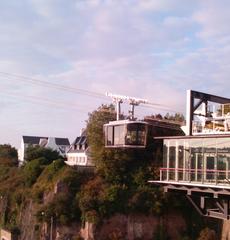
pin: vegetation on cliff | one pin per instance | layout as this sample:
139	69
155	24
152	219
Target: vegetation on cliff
54	192
122	176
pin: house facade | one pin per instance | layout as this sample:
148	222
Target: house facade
79	153
60	145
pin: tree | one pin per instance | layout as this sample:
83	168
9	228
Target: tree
8	155
178	117
40	152
32	170
115	165
123	172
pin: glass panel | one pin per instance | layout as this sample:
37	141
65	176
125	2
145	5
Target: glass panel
141	134
136	134
109	135
210	160
180	159
187	160
223	159
119	135
165	157
172	159
195	156
210	167
204	160
131	136
199	159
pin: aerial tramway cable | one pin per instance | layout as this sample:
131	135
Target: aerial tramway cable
42	83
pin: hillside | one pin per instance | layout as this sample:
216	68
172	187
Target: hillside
114	202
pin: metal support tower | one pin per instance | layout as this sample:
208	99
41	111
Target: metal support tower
132	101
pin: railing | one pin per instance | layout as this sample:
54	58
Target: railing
216	121
213	126
225	109
202	176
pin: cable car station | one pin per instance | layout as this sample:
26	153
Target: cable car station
198	164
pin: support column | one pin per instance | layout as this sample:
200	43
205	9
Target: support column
176	159
226	209
167	176
189	112
196	166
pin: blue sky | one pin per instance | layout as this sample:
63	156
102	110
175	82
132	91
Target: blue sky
148	48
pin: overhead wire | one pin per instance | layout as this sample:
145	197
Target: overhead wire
42	100
10	76
34	81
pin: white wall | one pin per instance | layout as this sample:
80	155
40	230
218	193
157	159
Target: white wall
78	159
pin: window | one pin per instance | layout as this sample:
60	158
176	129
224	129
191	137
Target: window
209	159
223	159
196	158
119	135
202	160
172	160
109	139
136	134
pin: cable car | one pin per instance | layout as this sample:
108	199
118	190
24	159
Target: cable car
131	133
126	134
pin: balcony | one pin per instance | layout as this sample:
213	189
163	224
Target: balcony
196	177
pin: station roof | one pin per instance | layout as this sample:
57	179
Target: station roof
195	136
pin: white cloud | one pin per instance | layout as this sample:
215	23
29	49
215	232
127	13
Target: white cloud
149	49
213	17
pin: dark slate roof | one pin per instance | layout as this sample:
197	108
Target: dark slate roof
36	140
76	141
79	141
32	139
62	141
82	140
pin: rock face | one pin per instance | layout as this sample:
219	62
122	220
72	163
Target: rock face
226	230
28	222
119	227
135	227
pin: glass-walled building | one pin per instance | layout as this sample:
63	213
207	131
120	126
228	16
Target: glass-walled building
193	159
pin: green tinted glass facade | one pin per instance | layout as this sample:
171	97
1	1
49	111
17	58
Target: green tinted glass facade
201	160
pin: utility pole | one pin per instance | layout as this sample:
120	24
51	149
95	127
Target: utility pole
118	99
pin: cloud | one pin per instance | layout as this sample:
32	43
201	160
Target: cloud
148	49
213	17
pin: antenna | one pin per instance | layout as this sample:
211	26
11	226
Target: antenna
118	99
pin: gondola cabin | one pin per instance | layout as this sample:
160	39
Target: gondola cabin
137	134
131	133
126	134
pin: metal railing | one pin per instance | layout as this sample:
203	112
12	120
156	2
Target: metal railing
202	176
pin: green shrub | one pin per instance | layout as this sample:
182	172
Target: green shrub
32	170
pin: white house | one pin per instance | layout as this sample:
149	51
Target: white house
79	153
60	145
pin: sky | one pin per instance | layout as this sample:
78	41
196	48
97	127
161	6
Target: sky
58	58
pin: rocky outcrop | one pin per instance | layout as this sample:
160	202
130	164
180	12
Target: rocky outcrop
226	230
135	227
